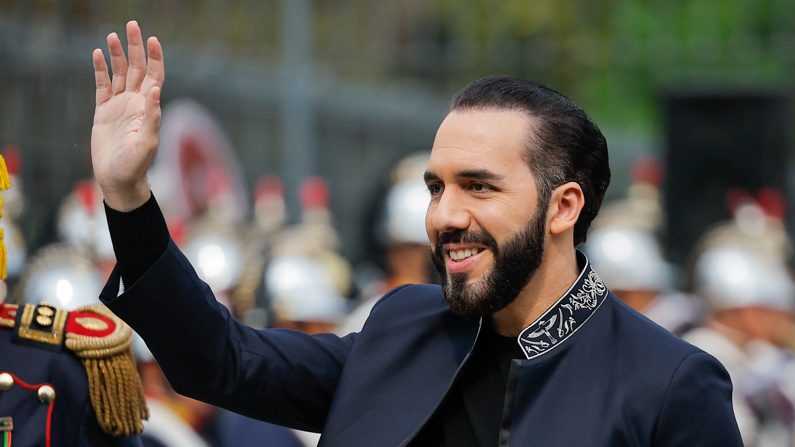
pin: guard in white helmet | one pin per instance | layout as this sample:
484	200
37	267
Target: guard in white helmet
67	376
225	256
752	301
632	266
218	257
403	233
304	296
400	230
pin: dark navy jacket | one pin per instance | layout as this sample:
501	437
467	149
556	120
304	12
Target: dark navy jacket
597	374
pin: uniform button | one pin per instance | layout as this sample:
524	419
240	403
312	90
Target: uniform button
46	394
6	381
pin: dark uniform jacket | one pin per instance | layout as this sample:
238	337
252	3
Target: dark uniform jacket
597	373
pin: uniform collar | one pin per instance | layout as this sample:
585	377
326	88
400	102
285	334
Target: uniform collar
567	315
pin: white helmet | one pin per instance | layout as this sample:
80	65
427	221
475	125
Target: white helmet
406	203
404	219
61	275
217	258
628	259
731	277
301	289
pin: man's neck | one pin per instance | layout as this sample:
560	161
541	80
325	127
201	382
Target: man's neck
556	274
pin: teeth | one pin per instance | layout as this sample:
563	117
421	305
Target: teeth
457	255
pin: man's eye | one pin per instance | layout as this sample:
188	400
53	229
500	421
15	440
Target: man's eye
480	187
435	189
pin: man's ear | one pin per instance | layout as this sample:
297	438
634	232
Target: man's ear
565	205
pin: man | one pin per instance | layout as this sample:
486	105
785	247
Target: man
400	235
752	302
522	345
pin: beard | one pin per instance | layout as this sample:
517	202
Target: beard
515	263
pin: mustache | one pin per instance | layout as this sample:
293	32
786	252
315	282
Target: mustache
465	237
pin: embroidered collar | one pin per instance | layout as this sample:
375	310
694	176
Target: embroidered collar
570	312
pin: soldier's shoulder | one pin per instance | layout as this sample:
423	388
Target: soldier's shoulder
56	365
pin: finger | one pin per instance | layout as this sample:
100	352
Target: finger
149	133
135	51
155	70
117	62
101	77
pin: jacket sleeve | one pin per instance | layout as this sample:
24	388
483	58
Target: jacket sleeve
697	409
280	376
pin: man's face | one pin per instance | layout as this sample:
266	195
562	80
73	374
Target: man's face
483	222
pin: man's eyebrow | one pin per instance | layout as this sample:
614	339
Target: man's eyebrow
479	174
430	176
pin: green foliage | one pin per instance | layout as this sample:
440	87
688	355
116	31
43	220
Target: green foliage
614	56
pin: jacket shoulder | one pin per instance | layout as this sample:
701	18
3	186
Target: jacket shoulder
642	346
412	295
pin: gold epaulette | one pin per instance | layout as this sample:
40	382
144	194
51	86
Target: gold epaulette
104	345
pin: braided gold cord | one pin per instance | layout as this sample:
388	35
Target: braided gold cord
114	385
93	347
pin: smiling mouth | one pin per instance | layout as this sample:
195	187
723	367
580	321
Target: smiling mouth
460	255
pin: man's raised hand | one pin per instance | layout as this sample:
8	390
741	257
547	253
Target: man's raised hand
126	129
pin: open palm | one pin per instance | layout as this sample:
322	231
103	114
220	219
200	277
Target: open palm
126	129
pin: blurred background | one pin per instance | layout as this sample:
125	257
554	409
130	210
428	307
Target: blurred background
292	132
342	89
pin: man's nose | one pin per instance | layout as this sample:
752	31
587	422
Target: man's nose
449	214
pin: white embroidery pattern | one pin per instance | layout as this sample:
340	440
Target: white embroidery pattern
564	318
588	295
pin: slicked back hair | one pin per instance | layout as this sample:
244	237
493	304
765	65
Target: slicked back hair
564	145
